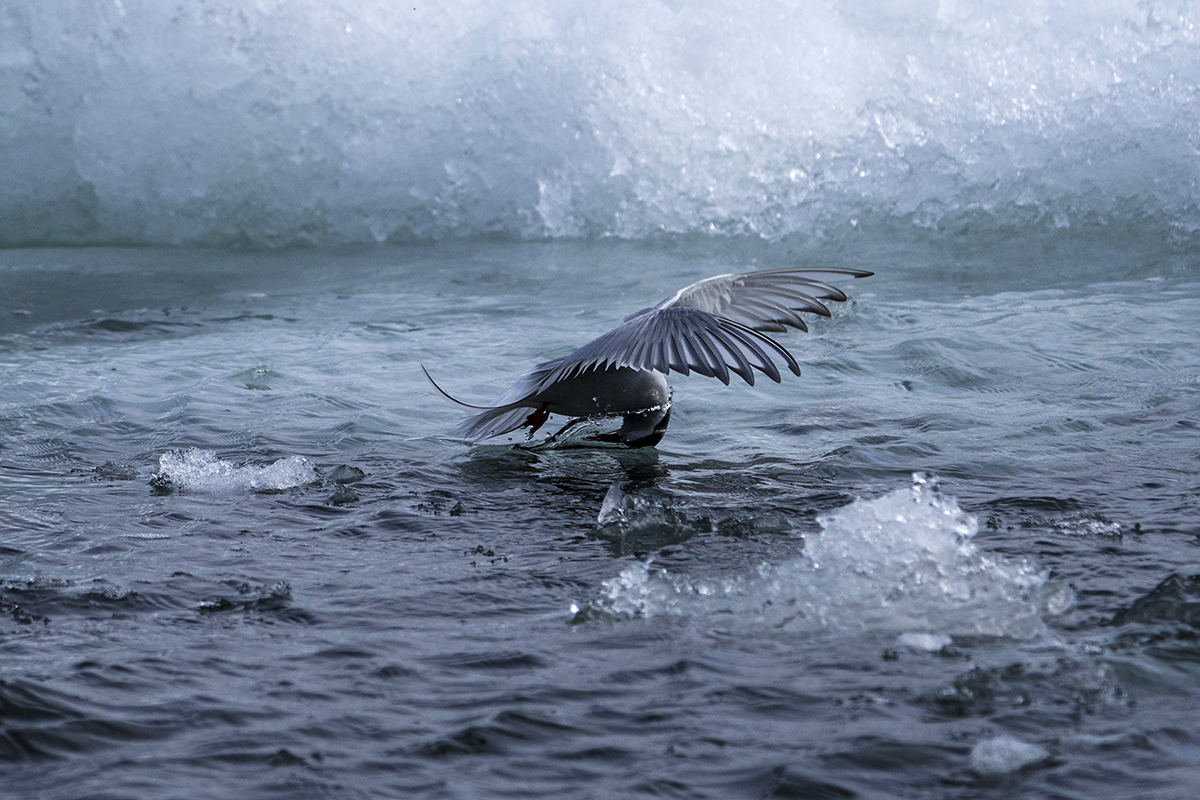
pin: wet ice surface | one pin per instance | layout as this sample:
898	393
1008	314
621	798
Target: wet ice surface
357	121
903	562
1004	754
201	471
237	548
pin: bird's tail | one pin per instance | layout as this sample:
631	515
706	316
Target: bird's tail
492	421
447	395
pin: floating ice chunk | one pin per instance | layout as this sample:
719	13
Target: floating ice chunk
904	527
1057	598
345	474
903	563
196	470
929	642
613	507
1004	754
629	517
908	559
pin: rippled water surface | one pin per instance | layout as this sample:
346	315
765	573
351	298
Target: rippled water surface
238	550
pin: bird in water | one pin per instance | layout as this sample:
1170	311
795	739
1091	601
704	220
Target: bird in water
714	327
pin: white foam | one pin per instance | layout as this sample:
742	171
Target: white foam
1004	754
903	563
196	470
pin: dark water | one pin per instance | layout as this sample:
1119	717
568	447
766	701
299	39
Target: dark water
196	599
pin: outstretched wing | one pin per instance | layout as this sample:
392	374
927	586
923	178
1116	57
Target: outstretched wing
766	300
681	339
713	327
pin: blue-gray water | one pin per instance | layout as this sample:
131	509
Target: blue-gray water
189	606
957	557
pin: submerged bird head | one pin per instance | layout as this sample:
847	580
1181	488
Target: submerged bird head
642	429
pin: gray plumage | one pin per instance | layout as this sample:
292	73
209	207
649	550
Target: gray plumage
714	327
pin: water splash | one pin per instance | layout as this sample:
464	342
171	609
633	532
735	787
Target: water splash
903	563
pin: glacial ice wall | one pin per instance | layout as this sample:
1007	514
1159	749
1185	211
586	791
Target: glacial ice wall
283	122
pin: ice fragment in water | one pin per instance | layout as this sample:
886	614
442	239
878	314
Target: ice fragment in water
344	495
1057	598
1175	600
1004	754
929	642
904	563
347	474
196	470
612	509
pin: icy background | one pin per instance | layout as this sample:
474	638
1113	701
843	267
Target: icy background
226	122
